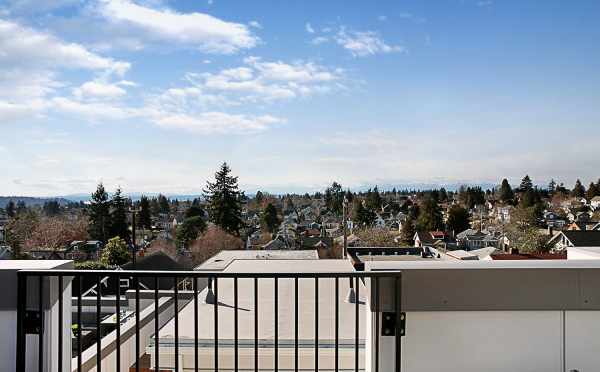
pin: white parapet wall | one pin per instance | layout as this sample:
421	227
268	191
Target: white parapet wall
8	315
479	319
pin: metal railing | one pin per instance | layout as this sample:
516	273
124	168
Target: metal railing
30	315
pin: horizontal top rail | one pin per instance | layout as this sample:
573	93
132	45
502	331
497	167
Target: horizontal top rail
213	274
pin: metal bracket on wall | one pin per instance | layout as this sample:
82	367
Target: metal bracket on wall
388	324
33	322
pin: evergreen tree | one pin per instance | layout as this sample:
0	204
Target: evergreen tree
118	216
506	193
458	219
334	198
373	200
225	201
552	186
189	230
259	197
194	211
592	191
269	218
361	215
578	189
407	234
115	252
443	195
51	208
163	204
530	198
99	213
11	210
21	207
145	215
154	207
430	216
526	184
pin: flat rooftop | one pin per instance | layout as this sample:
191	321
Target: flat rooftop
223	259
266	314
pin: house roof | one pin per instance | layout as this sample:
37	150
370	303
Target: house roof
155	261
583	238
425	237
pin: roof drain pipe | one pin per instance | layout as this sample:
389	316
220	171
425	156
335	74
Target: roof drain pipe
351	297
210	296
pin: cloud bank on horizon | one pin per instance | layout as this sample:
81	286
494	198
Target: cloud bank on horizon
153	95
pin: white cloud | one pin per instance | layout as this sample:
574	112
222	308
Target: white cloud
319	40
382	18
255	24
219	123
92	111
268	81
364	43
30	63
22	46
199	30
309	28
99	90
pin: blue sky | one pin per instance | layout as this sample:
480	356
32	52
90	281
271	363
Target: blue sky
153	95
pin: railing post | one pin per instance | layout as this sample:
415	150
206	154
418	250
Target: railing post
21	308
383	324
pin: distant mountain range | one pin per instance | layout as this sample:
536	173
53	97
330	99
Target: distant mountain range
30	200
250	190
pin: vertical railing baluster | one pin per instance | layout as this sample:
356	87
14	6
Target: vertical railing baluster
255	324
377	312
398	309
216	314
156	325
60	323
356	329
79	327
296	324
337	324
118	321
98	325
21	309
176	307
316	324
235	325
196	324
137	323
276	333
41	317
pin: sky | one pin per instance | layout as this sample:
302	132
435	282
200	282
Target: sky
153	95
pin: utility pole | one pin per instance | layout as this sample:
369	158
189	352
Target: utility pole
134	249
345	225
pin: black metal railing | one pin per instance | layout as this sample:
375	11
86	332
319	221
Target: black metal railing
35	295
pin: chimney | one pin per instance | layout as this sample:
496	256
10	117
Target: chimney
550	230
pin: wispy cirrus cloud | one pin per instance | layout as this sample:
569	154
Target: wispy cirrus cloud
198	30
365	43
358	43
267	81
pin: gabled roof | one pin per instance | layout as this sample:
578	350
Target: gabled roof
581	238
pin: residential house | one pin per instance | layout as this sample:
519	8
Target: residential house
472	239
595	203
554	220
575	238
430	239
503	213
